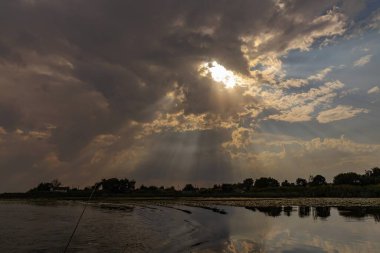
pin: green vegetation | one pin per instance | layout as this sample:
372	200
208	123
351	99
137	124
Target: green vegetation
344	185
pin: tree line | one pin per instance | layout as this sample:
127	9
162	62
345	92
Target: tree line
342	184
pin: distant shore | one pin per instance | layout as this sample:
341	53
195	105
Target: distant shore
227	201
323	191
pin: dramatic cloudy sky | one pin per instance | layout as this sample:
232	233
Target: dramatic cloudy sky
168	92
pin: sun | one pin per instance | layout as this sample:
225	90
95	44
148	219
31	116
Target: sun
220	74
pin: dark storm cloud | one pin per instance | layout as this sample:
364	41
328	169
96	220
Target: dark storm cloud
90	68
127	51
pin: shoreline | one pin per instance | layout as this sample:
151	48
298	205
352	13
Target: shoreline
216	201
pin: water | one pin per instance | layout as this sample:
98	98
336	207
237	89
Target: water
46	227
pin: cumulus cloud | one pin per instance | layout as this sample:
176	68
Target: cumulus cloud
363	61
320	75
339	113
299	107
297	83
375	20
374	90
295	114
266	48
294	83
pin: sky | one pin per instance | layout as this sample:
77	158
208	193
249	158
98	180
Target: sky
169	92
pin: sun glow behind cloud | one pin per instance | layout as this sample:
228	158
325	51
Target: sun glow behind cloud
218	73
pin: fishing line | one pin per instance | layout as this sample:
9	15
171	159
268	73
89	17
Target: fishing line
80	218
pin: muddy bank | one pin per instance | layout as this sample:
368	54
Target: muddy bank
255	202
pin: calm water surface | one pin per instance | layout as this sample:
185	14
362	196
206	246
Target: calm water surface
46	227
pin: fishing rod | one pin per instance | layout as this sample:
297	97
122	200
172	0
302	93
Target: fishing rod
80	217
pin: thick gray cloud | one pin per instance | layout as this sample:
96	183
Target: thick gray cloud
82	81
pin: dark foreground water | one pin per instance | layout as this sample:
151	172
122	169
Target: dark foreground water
46	227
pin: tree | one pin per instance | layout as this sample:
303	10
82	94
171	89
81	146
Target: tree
351	178
318	180
285	184
143	188
126	186
301	182
43	187
153	188
114	185
217	188
55	183
132	185
227	188
375	172
248	184
46	187
266	182
110	185
371	176
189	188
170	189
